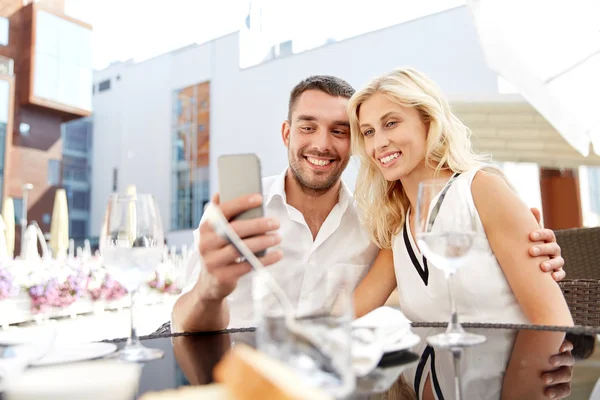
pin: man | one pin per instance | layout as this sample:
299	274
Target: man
309	206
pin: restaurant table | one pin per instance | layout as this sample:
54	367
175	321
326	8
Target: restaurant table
510	362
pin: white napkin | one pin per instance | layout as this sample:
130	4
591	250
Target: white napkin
92	380
17	358
373	333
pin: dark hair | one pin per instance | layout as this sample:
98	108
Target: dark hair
331	85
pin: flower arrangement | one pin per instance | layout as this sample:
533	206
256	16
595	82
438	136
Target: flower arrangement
8	287
54	284
102	286
162	283
56	292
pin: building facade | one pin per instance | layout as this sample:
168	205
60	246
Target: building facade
76	175
145	140
50	84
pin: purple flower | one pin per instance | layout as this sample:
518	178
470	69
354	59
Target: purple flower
7	285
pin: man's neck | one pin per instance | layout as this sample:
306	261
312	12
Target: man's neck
315	206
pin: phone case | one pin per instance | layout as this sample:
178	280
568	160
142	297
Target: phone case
239	175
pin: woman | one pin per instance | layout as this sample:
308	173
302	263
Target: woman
403	131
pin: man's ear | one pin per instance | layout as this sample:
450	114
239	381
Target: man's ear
285	132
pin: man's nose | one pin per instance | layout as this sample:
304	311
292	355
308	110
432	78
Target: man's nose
321	140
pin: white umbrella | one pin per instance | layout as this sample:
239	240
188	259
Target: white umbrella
8	215
3	243
59	225
550	51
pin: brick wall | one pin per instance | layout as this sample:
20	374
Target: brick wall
518	133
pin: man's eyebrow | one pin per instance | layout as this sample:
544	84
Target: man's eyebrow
303	117
342	123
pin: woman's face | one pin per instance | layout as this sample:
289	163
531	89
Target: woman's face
395	136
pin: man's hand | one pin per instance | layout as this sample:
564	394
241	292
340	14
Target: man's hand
549	248
559	380
221	270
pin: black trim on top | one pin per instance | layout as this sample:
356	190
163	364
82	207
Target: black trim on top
429	352
424	272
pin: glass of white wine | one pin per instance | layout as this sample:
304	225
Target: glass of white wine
131	244
446	240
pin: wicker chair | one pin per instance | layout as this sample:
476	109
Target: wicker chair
583	299
581	251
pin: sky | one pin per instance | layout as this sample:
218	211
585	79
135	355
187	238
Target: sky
141	29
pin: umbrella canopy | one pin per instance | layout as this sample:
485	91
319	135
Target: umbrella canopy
8	215
550	51
59	225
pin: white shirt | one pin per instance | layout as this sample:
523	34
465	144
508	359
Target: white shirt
482	371
341	243
481	290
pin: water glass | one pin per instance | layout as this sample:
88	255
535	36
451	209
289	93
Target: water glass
323	306
131	244
445	230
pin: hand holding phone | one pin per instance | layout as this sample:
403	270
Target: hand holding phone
240	175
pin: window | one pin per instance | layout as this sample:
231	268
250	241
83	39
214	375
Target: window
75	169
190	144
77	135
53	172
80	200
78	229
103	86
589	191
24	129
18	206
4	31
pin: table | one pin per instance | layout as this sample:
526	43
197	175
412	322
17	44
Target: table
511	360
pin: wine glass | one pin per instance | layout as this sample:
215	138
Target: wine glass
131	243
445	230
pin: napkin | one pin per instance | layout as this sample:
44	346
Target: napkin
17	358
373	334
93	380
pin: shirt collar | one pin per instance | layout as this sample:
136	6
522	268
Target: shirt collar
278	190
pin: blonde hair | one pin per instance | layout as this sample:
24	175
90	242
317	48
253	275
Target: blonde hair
383	205
400	390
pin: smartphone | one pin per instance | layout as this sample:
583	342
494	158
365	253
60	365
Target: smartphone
239	175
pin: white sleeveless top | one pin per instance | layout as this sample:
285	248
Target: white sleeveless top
481	290
482	371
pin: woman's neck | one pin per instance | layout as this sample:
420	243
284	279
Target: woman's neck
410	183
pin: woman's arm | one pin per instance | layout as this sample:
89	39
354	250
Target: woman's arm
377	285
528	365
507	223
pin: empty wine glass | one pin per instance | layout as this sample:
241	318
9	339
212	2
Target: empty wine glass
131	243
445	240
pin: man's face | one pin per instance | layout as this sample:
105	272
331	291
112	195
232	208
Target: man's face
318	140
